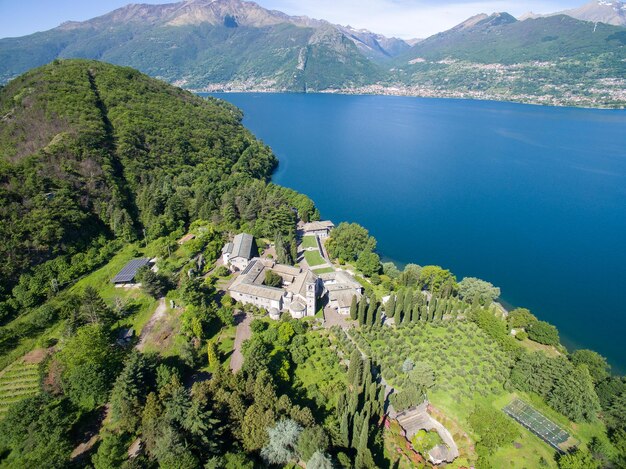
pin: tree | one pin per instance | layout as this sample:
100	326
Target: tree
212	354
544	333
353	308
254	427
362	312
422	375
471	288
493	427
319	460
272	279
112	452
520	318
348	241
89	365
152	283
595	363
355	368
93	309
390	306
283	442
434	278
390	270
410	275
577	459
369	263
129	391
312	440
36	432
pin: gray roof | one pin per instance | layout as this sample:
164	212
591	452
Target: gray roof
127	274
318	226
243	246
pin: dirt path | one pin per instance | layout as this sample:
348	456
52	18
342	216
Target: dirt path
243	333
156	317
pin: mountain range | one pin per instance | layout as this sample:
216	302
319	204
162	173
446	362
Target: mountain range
597	11
217	45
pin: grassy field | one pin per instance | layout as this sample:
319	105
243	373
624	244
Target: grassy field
325	270
18	381
309	242
314	258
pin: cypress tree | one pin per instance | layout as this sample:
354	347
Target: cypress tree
357	426
355	368
362	313
390	306
371	312
344	430
399	305
353	308
379	315
408	301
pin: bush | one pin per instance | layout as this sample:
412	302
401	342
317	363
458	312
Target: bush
521	335
544	333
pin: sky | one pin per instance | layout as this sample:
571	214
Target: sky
399	18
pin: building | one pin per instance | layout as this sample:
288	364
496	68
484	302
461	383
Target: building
127	275
298	294
238	253
318	228
341	287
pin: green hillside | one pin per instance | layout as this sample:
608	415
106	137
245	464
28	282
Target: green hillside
93	152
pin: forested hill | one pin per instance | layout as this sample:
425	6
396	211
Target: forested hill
91	151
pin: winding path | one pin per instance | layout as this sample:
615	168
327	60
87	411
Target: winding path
159	314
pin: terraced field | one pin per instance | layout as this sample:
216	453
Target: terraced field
18	381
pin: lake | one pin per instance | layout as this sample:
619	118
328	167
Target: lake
532	199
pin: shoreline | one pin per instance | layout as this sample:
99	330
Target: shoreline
389	92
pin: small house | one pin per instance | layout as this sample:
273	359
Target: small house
238	253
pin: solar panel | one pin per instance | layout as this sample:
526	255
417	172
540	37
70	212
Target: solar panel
537	423
127	274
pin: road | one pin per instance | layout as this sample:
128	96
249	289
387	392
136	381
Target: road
156	317
242	334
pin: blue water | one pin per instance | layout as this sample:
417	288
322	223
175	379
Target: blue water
532	199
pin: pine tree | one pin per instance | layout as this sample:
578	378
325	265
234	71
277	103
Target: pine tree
354	308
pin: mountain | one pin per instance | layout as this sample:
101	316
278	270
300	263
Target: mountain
597	11
374	46
196	43
91	151
500	38
551	60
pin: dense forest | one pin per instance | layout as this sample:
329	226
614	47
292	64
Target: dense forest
101	165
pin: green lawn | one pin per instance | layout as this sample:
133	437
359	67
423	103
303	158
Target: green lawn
314	258
325	270
309	242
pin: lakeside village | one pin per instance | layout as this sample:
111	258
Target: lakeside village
316	287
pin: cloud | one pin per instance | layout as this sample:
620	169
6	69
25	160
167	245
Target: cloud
408	18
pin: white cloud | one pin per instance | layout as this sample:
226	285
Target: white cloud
407	18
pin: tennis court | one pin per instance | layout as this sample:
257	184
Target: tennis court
537	423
